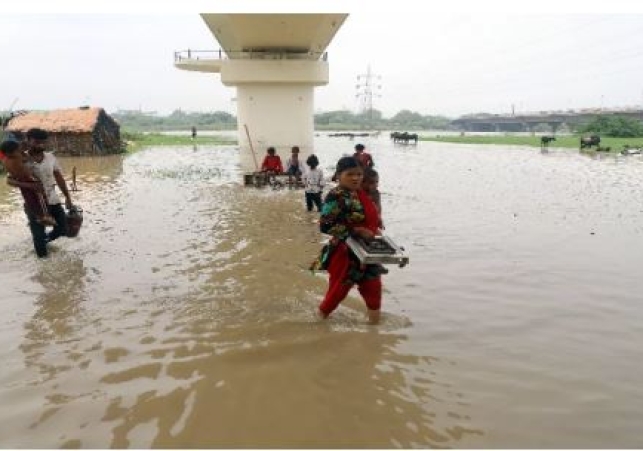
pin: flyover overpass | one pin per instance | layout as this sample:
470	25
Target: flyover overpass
527	122
275	61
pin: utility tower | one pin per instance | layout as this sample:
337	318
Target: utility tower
368	86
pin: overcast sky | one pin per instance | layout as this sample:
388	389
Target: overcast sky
439	62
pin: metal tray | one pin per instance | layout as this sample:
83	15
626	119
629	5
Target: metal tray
381	250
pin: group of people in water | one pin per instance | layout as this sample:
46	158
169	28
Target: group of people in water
311	179
37	173
350	209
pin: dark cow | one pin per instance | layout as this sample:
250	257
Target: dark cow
589	141
404	137
545	140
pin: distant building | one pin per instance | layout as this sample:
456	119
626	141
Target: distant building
77	131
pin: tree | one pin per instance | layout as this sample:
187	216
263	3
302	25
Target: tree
407	119
615	126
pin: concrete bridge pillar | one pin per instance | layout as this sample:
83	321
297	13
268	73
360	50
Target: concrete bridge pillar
275	61
275	101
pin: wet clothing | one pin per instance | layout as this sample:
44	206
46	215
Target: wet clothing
313	199
338	288
272	163
342	211
35	201
44	172
313	186
38	233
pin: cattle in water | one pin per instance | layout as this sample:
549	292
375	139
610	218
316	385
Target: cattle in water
589	141
404	137
347	135
545	140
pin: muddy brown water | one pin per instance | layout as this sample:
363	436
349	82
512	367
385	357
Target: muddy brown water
182	315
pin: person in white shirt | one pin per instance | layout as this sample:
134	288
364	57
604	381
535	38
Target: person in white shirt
313	183
46	169
294	167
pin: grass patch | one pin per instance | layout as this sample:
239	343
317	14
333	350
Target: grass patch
136	140
570	142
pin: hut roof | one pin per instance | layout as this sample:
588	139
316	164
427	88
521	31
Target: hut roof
75	120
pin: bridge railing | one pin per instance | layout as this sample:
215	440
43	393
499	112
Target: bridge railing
191	55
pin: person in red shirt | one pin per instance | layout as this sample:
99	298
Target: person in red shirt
271	167
364	158
272	162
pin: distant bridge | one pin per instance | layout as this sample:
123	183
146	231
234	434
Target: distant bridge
527	122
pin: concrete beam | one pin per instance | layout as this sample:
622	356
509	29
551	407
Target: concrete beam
294	33
238	72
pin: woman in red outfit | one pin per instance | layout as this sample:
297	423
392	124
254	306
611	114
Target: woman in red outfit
349	211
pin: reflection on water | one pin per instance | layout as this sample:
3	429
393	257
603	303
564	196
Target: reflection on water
182	315
58	307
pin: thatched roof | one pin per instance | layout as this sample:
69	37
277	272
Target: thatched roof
76	120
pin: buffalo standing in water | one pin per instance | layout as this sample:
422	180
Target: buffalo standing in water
404	137
589	141
545	140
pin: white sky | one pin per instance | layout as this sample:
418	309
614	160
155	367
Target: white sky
448	60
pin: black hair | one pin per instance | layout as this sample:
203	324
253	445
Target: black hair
359	146
295	148
346	163
271	150
312	161
370	174
9	146
37	133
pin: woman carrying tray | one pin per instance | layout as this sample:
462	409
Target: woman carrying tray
349	211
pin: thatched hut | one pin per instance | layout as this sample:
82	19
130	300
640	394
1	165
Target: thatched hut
78	131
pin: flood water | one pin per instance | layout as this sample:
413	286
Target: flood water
182	315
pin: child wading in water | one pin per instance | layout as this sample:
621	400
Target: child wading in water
35	202
349	211
370	185
313	183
